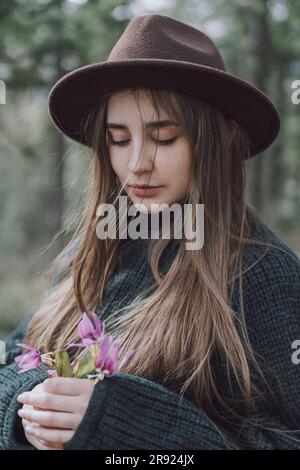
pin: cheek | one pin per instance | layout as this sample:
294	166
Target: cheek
180	164
119	165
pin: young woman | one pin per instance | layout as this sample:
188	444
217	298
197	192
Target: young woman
212	328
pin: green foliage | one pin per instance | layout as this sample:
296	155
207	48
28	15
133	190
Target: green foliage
63	365
86	362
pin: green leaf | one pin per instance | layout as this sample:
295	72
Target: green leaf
86	361
62	364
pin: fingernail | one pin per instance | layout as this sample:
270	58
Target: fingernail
20	397
29	429
21	413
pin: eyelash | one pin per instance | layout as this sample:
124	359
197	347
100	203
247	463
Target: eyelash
161	142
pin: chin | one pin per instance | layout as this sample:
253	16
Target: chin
145	205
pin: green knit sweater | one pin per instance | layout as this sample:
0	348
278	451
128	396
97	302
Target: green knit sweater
131	412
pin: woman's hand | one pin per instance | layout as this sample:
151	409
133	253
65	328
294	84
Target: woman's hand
53	410
39	444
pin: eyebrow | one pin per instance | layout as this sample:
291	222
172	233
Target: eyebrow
153	125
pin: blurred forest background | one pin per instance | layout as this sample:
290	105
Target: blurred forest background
43	174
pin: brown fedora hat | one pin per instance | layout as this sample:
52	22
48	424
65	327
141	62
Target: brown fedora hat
157	51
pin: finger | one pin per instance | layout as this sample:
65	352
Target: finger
35	442
26	422
67	385
50	419
38	444
25	408
51	445
49	401
52	435
30	407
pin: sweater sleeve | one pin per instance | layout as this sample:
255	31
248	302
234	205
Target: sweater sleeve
131	412
12	383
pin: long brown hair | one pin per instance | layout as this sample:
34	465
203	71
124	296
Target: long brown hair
182	329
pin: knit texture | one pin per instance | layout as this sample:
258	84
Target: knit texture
131	412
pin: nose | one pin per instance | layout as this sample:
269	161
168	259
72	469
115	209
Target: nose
141	161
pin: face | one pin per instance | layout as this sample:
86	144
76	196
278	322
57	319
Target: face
168	170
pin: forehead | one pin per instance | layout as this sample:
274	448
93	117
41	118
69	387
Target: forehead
124	104
125	112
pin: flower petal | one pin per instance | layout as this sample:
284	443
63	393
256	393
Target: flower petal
86	327
104	348
19	358
99	329
88	342
110	362
30	361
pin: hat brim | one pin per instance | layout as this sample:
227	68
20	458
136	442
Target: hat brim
71	98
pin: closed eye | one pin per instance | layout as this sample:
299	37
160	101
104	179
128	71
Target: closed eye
160	142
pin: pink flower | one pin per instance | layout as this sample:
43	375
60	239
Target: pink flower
89	333
108	362
29	360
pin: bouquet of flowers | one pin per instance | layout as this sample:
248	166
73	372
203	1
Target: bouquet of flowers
99	356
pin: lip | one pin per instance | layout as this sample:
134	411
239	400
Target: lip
145	190
143	186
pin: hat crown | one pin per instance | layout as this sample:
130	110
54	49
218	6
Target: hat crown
161	37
